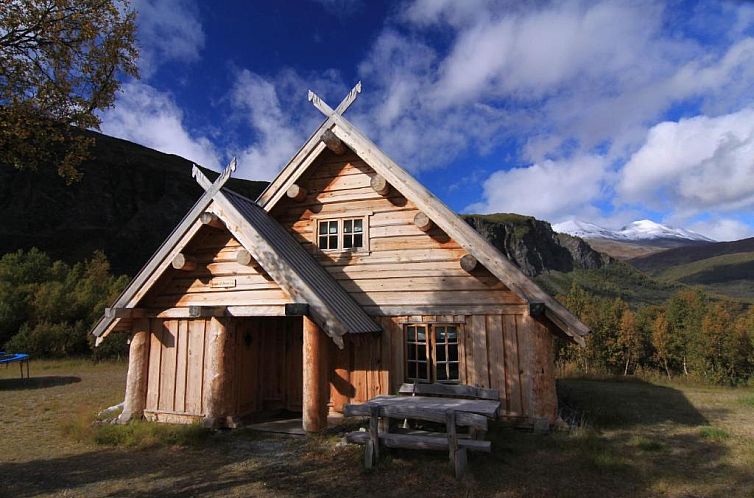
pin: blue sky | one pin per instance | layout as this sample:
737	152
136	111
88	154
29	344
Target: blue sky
604	111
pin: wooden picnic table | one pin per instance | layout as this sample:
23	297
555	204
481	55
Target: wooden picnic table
485	407
453	412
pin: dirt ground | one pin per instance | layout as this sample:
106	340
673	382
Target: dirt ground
634	439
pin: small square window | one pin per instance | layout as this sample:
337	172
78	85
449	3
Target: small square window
328	234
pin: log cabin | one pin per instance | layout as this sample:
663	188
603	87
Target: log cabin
344	279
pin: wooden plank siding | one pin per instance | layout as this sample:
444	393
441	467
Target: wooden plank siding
404	266
215	252
510	353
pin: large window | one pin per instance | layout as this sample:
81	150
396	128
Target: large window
342	234
432	352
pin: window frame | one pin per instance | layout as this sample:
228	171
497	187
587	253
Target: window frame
341	219
430	352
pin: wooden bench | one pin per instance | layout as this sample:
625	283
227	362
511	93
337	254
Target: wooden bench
456	412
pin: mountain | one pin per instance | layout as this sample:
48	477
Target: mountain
722	268
556	261
129	200
640	238
637	231
533	245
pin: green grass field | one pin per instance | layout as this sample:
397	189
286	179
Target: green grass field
633	439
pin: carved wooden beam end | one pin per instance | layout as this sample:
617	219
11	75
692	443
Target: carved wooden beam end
183	262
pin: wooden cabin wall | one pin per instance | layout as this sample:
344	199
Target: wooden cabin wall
264	371
210	283
405	268
512	353
176	381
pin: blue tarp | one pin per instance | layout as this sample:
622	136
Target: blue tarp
11	357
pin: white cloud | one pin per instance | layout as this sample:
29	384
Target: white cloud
278	115
151	118
551	190
167	30
694	165
723	229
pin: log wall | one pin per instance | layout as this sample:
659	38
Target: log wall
512	353
218	279
405	269
264	371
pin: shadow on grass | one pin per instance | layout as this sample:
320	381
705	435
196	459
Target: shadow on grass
37	382
624	404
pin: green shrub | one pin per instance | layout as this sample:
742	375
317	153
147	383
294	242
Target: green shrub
140	434
714	433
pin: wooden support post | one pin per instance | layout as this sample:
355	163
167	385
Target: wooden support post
211	219
372	448
138	371
458	456
218	374
468	263
380	185
333	142
296	192
316	393
183	262
423	222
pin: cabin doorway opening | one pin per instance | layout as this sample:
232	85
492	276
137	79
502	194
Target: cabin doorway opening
270	368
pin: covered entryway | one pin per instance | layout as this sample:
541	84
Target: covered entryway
269	364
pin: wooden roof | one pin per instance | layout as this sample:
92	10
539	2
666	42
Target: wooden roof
434	208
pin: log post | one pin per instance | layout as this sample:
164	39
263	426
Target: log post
218	375
296	192
138	371
211	219
183	262
333	142
380	185
423	222
468	263
315	379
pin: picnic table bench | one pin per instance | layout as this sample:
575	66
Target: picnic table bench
440	403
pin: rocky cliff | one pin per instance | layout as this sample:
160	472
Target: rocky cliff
534	246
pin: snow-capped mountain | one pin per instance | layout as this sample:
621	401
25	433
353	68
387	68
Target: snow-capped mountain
638	231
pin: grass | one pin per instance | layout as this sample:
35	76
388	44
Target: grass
633	438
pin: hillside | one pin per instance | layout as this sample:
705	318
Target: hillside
127	202
723	268
558	260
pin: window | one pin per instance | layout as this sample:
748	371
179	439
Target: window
328	234
432	353
353	233
347	234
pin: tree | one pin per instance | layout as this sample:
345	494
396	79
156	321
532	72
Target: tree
662	341
629	339
59	64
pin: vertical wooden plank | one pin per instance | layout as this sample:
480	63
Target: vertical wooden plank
194	366
496	353
360	372
295	352
462	370
544	396
397	353
167	370
155	353
524	333
181	369
512	373
385	356
479	345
